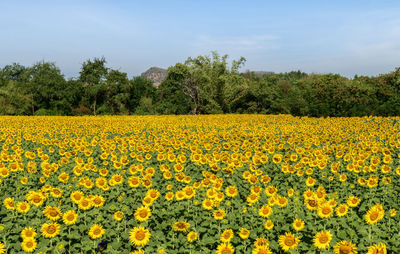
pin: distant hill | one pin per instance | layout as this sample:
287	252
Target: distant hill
155	74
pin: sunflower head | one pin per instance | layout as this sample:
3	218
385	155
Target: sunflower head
226	236
322	239
345	247
50	230
28	245
298	224
288	241
244	233
192	236
70	217
182	226
139	236
225	248
96	231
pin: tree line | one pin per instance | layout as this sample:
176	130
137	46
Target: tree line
201	85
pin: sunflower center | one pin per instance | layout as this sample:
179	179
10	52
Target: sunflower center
326	210
140	235
53	213
345	250
289	241
312	203
323	239
227	236
51	229
29	244
97	231
70	217
226	251
143	213
374	216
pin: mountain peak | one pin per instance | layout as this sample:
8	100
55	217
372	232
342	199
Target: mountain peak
155	74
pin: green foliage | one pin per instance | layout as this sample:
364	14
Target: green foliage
200	85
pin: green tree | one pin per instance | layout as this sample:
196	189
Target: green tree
93	76
141	87
116	92
44	85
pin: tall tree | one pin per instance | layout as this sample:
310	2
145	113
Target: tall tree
44	85
116	91
93	76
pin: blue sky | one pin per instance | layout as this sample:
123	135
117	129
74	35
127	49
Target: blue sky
345	37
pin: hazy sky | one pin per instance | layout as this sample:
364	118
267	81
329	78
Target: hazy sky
346	37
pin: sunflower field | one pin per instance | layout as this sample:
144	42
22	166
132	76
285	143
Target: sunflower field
199	184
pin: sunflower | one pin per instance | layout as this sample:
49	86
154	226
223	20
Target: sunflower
139	236
28	233
9	203
375	214
311	204
147	201
265	211
261	242
244	233
226	236
277	158
310	181
322	239
24	180
29	244
85	204
231	191
225	248
219	214
182	226
341	210
270	191
70	217
288	241
268	225
153	194
142	213
134	181
192	236
23	207
169	196
52	213
96	231
118	215
298	224
97	201
325	211
261	250
189	192
77	196
50	230
137	252
2	248
379	248
56	192
345	247
207	204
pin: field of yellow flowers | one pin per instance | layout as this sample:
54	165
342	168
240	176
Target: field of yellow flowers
199	184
